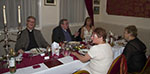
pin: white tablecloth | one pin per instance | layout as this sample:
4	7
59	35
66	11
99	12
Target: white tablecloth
66	68
117	50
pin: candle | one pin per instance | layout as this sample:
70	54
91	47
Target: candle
4	15
19	17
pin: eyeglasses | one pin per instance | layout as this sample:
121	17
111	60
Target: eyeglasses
30	21
94	35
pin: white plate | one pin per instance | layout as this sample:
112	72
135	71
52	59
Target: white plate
74	42
37	50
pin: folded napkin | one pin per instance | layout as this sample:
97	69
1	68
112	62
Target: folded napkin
36	66
66	59
55	48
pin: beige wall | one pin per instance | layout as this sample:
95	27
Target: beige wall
49	15
49	18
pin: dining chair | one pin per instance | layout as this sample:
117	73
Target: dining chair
123	65
81	72
118	66
146	69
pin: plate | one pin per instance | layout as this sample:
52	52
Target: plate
37	50
74	42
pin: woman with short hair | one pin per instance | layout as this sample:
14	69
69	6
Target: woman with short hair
100	55
134	50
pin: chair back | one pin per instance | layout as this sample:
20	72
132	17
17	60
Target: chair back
82	72
118	66
146	69
123	65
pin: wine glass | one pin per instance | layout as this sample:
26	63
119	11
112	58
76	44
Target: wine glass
66	52
56	53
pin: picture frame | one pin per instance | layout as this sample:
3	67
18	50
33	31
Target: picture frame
96	9
96	2
50	2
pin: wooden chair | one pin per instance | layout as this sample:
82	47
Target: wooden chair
118	66
123	65
146	69
82	72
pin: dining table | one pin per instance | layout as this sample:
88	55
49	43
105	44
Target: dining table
48	64
40	65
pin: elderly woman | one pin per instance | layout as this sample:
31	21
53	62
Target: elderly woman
100	55
134	50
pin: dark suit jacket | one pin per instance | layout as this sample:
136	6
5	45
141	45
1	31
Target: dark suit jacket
58	35
23	40
135	54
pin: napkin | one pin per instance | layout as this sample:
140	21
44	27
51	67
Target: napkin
36	66
66	59
55	48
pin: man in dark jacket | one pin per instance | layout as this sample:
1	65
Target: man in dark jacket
62	32
134	50
30	37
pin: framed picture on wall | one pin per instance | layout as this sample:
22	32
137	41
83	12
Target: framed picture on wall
96	2
49	2
96	10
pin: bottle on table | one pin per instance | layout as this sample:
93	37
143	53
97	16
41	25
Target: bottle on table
12	65
12	62
111	38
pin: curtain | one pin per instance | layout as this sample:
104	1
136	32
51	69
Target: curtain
28	8
73	10
89	6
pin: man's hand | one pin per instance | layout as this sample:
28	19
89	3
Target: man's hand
20	51
76	34
48	48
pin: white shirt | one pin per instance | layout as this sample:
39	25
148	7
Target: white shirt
101	59
87	34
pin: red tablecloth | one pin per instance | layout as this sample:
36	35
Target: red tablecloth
30	61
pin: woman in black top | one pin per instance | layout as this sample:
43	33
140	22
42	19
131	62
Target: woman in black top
134	50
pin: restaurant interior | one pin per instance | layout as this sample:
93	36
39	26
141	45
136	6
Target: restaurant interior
112	15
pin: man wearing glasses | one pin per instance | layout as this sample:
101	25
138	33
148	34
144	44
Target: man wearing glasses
30	37
62	32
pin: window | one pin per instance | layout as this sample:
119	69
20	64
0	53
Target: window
73	10
28	8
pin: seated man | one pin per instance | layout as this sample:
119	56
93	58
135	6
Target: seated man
62	32
134	50
30	37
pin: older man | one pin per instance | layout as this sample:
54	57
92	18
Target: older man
30	37
62	32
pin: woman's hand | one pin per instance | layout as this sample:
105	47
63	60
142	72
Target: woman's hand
74	53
